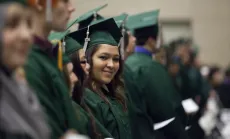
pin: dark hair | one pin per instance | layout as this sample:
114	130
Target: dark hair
170	58
143	34
79	72
115	87
193	56
77	94
213	70
66	76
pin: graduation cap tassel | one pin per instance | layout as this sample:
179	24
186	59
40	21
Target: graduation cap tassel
87	39
49	10
63	45
158	45
60	59
94	16
122	47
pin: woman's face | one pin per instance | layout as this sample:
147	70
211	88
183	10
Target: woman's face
85	66
105	63
17	36
73	78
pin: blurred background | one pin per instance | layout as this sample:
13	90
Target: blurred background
206	22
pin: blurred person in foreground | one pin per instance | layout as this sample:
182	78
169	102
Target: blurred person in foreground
20	112
44	68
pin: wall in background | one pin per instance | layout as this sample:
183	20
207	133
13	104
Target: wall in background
206	21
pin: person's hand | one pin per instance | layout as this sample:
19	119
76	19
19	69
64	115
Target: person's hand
69	133
72	134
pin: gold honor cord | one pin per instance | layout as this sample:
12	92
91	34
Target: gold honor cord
59	59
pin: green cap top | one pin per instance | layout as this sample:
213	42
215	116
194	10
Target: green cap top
71	23
100	32
143	19
144	25
58	35
85	19
71	45
120	19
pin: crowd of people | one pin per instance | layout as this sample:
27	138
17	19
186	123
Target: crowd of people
108	78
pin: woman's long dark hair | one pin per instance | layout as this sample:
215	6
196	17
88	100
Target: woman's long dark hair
115	87
77	94
79	72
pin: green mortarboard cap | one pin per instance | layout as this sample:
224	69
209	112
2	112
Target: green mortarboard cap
71	23
56	39
83	23
121	19
144	25
100	32
85	19
143	19
58	35
71	46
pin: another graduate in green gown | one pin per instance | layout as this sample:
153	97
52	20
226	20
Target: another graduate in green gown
105	94
173	69
21	115
154	100
44	68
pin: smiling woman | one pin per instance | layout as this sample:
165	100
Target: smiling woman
106	63
105	94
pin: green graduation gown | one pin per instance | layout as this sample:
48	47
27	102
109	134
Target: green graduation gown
112	116
153	98
83	120
48	83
